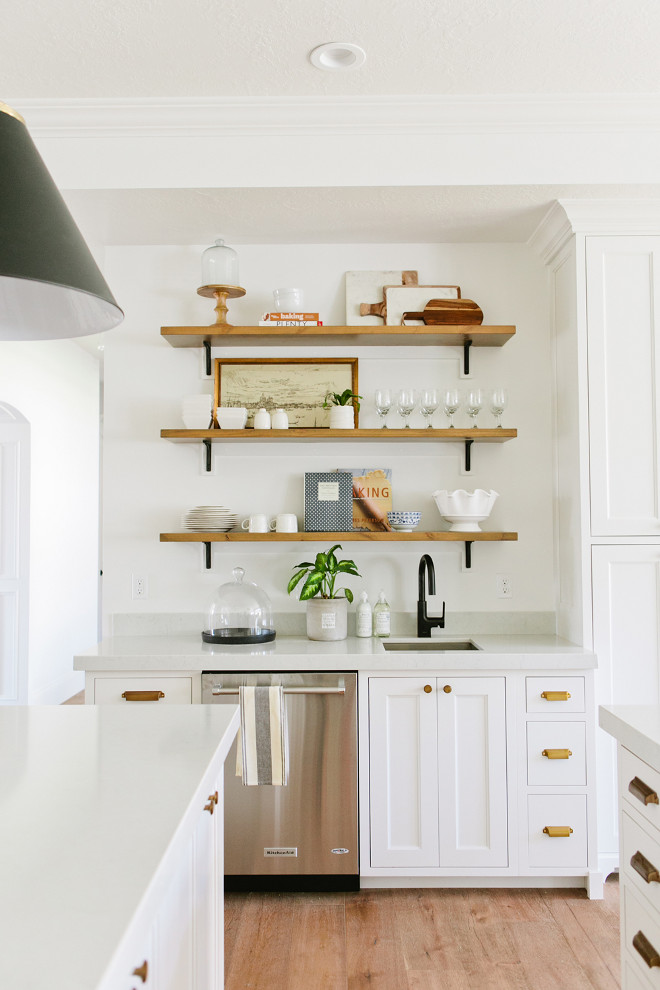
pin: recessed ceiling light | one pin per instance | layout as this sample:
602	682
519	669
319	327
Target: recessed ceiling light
338	55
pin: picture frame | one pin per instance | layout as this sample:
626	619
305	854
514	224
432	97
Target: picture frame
297	385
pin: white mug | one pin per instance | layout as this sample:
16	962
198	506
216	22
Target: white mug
285	522
257	523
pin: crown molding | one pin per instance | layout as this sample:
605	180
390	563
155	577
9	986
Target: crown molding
568	217
396	115
552	234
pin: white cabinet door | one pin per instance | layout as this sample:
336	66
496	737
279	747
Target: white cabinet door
207	897
623	283
403	772
472	771
626	618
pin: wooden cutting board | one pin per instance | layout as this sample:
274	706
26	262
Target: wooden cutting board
442	312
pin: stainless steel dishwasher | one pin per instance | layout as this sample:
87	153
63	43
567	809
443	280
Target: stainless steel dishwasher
303	836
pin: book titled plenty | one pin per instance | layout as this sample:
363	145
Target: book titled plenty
290	320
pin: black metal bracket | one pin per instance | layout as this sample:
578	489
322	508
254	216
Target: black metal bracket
466	357
209	455
468	553
207	348
468	461
208	556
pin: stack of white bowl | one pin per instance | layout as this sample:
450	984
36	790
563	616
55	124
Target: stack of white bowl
196	411
210	518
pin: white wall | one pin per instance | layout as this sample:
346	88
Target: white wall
56	387
149	482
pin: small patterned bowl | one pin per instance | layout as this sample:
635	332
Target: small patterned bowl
404	521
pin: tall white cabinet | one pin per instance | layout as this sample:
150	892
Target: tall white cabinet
606	293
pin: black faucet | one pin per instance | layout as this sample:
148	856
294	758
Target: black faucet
424	623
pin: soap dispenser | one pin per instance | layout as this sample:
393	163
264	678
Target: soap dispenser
382	617
364	618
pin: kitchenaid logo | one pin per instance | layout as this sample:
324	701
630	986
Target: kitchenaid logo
280	851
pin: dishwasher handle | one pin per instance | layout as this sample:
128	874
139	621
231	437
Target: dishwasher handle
216	690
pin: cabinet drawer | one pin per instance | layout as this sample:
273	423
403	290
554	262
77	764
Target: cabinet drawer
645	849
537	686
176	690
550	811
631	768
555	739
638	918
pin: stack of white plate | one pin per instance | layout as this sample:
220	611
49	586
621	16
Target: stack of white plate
196	411
210	518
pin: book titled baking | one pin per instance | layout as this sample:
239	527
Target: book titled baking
372	498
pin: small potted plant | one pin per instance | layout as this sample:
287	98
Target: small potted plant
342	406
327	608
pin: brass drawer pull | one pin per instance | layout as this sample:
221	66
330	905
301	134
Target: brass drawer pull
646	950
645	869
558	831
142	971
427	689
557	754
642	791
556	695
143	695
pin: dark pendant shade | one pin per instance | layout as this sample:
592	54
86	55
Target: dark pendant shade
50	285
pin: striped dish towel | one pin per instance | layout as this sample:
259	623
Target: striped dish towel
262	751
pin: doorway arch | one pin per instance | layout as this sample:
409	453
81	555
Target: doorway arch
14	554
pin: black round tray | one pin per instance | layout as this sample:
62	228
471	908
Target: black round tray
236	636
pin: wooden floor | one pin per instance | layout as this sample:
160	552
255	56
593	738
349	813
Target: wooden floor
423	940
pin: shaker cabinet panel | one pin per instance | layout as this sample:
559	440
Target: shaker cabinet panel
472	771
623	328
403	772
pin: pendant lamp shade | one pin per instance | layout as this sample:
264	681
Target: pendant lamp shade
50	285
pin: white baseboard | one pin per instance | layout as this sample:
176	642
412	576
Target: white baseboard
382	883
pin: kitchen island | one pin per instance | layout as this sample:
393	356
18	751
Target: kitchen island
476	767
109	848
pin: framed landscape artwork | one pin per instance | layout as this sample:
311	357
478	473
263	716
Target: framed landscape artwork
297	385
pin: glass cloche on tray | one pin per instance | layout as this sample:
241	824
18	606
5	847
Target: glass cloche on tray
240	613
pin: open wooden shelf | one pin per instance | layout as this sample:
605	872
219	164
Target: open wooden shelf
457	435
480	536
448	336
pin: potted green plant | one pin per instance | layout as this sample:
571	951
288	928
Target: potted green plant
327	608
343	407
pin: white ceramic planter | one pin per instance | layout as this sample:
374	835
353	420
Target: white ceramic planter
342	418
327	619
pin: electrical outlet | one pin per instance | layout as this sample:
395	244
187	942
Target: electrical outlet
503	584
139	585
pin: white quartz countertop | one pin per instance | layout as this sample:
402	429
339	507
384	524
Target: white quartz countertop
91	798
637	727
297	653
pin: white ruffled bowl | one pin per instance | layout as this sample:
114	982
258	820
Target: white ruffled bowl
465	510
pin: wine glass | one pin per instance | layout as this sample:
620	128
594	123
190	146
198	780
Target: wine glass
428	403
474	401
498	399
383	402
405	403
451	400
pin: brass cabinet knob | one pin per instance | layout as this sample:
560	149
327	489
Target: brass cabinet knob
447	689
427	688
557	754
210	806
142	971
558	831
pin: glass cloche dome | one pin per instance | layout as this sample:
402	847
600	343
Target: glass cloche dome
240	613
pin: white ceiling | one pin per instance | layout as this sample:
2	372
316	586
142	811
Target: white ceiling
223	48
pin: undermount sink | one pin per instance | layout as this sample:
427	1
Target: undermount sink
429	646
